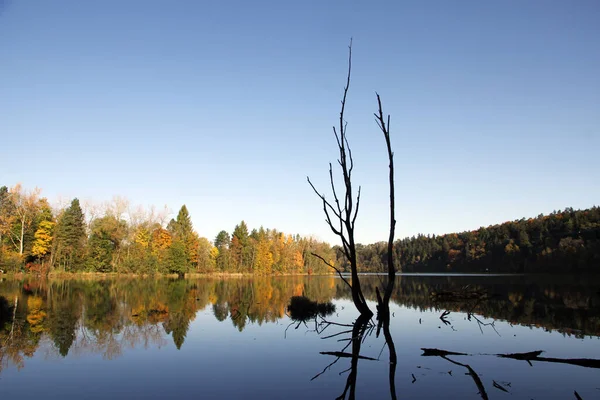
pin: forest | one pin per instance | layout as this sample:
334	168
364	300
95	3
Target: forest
36	237
563	241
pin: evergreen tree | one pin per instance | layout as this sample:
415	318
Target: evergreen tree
240	251
70	238
184	223
177	259
222	243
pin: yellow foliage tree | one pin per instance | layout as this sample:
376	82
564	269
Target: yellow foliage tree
43	239
161	240
142	237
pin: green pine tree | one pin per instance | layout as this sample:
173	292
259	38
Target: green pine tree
70	238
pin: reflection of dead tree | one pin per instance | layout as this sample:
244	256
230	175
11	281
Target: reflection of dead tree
443	317
330	364
345	216
482	324
358	334
361	328
444	354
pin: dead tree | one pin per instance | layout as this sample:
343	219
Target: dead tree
341	215
383	305
345	211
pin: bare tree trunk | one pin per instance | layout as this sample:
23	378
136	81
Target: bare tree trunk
390	247
22	235
345	214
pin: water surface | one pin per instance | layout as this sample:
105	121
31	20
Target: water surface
234	338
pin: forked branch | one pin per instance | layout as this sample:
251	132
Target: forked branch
346	214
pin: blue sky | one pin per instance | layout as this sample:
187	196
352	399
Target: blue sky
227	106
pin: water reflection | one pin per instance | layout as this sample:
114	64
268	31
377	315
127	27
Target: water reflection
54	319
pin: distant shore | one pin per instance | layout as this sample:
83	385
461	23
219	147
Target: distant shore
108	275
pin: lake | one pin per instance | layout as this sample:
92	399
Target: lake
235	337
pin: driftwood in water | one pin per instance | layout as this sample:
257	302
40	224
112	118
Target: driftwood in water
499	386
342	354
440	353
444	354
529	357
535	356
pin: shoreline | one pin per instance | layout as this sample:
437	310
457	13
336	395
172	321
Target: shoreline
112	275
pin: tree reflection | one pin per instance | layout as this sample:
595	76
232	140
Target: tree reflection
108	316
303	310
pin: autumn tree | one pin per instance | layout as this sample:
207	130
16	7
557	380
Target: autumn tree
207	256
6	215
42	243
25	205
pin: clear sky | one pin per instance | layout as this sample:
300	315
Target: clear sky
227	106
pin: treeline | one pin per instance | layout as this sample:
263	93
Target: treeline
36	238
564	241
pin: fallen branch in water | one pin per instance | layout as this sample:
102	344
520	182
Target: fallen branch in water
329	366
341	354
440	353
444	354
528	356
535	356
500	387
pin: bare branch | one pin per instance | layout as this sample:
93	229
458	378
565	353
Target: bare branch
335	268
326	203
337	201
346	214
357	204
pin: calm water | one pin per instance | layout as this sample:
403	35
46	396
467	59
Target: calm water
233	338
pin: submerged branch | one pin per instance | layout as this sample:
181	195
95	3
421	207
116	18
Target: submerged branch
341	354
535	356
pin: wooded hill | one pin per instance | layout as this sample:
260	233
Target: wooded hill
563	241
